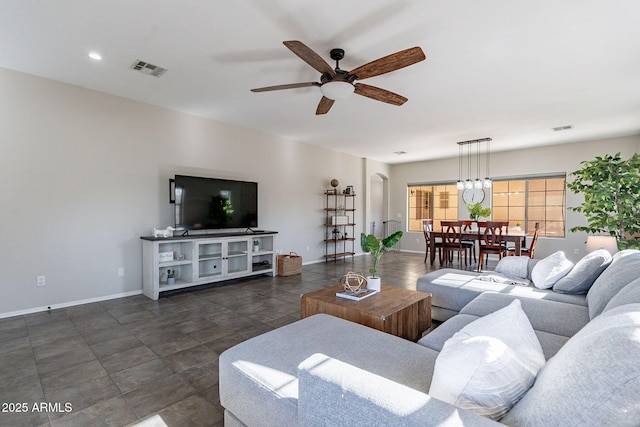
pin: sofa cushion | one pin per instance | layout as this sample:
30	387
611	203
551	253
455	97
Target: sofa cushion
259	377
489	364
545	315
550	269
593	380
453	289
623	269
435	339
337	394
584	273
630	294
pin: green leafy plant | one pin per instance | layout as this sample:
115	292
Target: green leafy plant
377	246
611	189
476	211
171	274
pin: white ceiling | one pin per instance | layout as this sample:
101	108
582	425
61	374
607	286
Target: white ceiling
509	70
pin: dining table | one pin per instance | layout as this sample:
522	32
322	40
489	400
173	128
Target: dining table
518	237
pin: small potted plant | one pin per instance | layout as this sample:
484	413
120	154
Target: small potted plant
476	211
376	247
171	277
256	245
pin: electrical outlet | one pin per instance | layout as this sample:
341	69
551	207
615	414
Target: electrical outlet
40	281
121	272
576	251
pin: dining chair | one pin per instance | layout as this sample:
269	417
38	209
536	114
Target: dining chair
527	251
427	228
470	245
490	240
451	241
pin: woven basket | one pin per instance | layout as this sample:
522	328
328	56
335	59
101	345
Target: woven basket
288	265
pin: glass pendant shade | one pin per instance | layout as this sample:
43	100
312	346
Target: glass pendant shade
487	183
468	184
460	185
337	89
477	183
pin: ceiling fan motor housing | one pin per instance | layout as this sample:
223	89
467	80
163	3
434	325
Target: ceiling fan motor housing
336	54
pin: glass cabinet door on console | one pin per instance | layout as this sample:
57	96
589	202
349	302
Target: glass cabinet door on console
209	259
237	256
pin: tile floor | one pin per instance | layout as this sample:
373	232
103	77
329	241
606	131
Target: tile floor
134	361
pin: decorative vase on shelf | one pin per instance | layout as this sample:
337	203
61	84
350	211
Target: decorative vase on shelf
171	277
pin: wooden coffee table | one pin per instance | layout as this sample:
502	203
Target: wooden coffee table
401	312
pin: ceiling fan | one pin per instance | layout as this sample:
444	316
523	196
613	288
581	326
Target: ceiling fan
339	84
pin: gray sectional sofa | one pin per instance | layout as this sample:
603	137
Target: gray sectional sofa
325	371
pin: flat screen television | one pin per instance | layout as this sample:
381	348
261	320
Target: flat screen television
211	203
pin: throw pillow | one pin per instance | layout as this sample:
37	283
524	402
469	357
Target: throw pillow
630	294
513	266
488	365
623	270
594	379
585	272
550	269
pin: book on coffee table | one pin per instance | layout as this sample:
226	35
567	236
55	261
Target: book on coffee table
357	296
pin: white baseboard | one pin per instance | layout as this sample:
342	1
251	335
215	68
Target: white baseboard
68	304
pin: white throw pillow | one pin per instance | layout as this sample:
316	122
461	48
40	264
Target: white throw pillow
488	365
550	269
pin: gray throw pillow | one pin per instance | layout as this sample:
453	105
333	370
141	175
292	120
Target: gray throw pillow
623	270
514	266
630	294
584	273
593	380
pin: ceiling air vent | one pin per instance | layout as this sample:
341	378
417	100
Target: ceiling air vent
149	69
561	128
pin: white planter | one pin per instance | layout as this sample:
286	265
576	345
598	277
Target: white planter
373	283
256	248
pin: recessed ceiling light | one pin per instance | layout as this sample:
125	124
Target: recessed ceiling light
96	56
399	153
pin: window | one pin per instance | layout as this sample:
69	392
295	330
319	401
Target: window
439	202
531	200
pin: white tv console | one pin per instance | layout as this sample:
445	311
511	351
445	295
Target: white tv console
204	258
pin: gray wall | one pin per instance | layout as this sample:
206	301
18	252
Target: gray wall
549	159
85	174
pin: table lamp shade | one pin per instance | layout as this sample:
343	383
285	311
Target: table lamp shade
602	242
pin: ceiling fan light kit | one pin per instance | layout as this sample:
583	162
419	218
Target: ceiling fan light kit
338	84
337	90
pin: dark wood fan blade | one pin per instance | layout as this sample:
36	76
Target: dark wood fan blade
389	63
324	106
289	86
310	57
379	94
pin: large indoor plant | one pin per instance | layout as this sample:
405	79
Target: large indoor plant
376	247
611	189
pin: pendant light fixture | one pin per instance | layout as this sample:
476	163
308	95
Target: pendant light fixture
468	184
477	183
487	183
460	183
